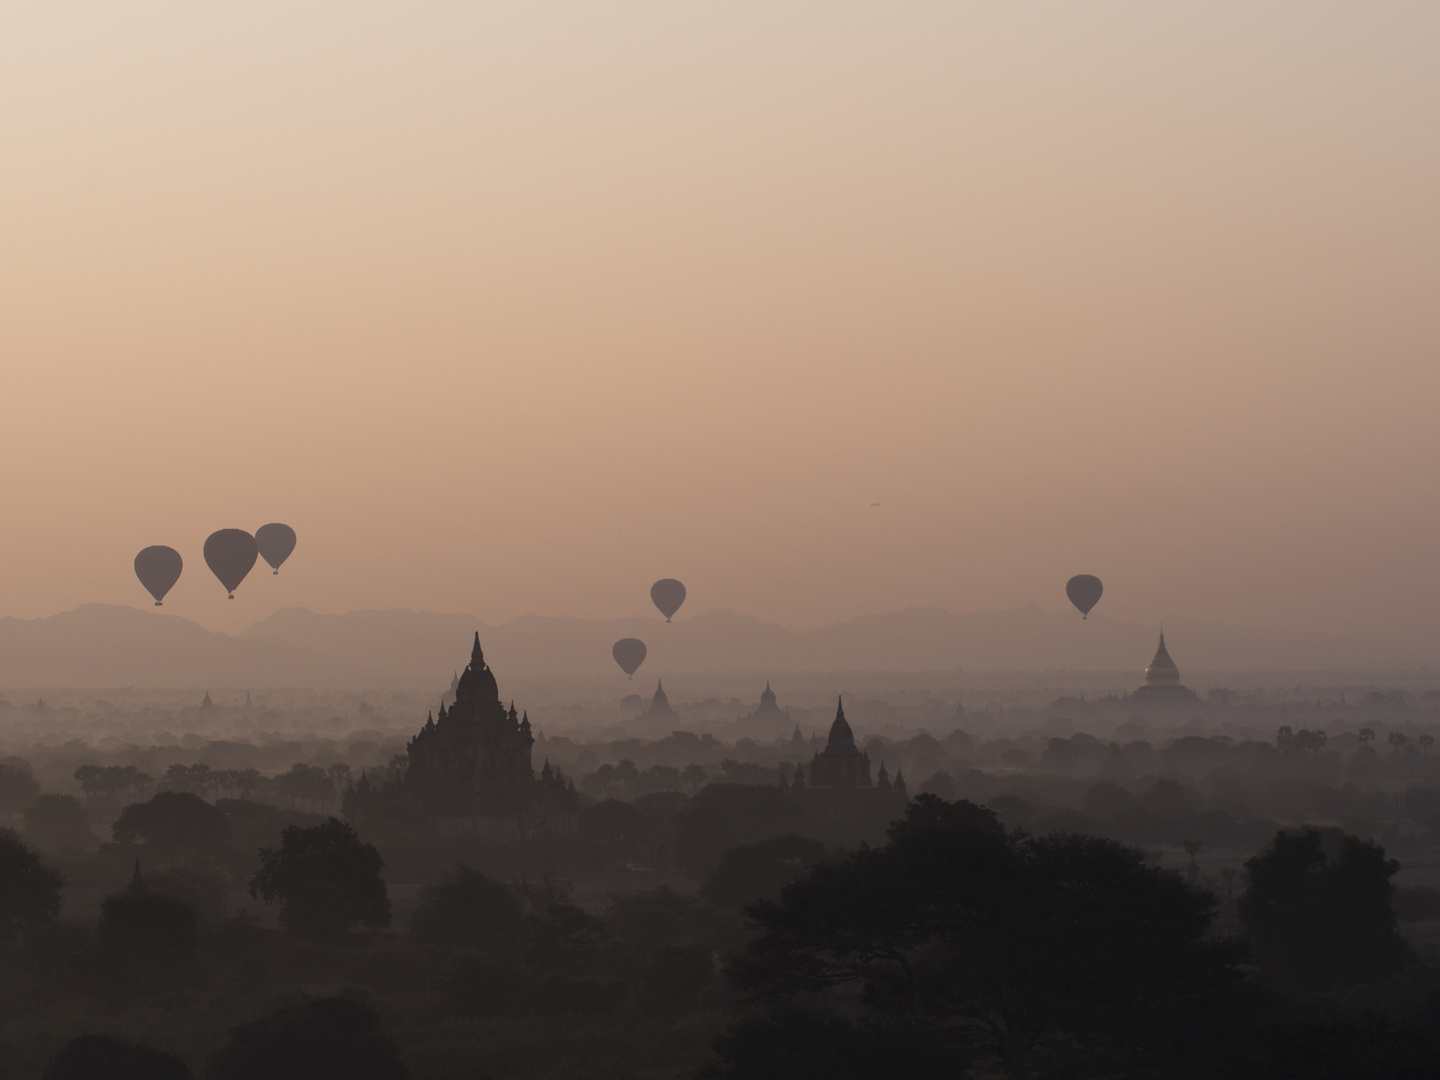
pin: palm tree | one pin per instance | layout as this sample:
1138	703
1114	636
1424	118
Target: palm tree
1192	848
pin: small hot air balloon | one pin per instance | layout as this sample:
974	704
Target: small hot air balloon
275	542
230	553
668	595
629	653
1084	591
158	568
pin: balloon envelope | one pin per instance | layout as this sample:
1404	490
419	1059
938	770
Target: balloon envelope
1084	591
230	553
275	542
629	653
158	568
668	595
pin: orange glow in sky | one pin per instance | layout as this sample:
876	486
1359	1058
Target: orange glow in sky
512	308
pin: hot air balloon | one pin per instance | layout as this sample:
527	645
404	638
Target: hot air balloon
230	553
1084	591
668	595
629	653
275	542
158	568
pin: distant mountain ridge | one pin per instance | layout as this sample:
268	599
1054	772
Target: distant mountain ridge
110	645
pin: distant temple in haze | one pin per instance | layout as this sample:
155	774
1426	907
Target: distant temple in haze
659	705
469	770
1162	678
768	711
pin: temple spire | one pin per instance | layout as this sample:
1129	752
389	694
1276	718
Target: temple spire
1162	670
477	658
840	733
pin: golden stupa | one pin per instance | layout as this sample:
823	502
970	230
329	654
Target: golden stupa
1162	677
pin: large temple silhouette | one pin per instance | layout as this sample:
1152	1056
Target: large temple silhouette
842	767
841	764
469	769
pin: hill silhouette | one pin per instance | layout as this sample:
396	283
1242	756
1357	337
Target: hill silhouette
110	645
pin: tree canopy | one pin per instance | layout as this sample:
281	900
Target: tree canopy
320	1039
18	786
470	911
106	1057
29	890
723	816
1321	919
325	879
1024	951
758	871
59	821
176	821
145	943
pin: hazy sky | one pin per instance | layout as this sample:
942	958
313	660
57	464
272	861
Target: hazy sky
513	308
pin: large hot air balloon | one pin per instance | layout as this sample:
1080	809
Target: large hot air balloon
158	568
275	542
668	595
1084	591
629	653
230	553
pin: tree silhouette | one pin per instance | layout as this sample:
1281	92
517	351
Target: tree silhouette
325	879
759	871
18	786
145	943
322	1039
1030	952
1192	848
723	816
90	779
58	821
106	1057
338	773
470	911
562	935
246	781
1319	920
307	784
790	1043
176	823
1227	875
611	821
29	891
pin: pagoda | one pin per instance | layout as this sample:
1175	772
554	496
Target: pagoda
469	769
1162	677
841	764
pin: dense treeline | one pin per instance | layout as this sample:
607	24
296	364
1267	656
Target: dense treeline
954	946
1051	903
